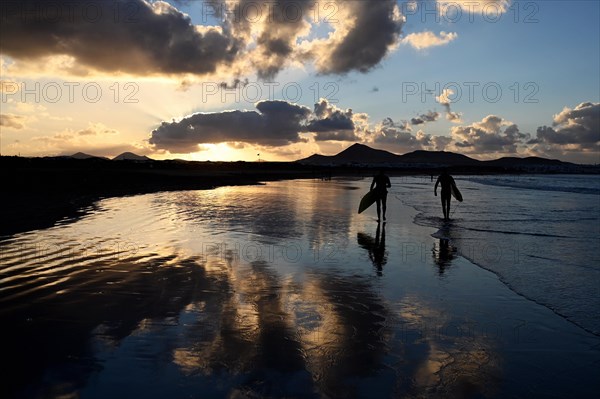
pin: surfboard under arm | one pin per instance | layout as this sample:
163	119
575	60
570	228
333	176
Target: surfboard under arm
367	200
456	193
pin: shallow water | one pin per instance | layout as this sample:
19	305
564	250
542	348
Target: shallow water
540	234
279	290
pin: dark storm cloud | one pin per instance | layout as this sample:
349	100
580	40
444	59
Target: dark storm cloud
276	124
129	36
430	116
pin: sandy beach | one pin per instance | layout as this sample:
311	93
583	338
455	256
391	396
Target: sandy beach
279	290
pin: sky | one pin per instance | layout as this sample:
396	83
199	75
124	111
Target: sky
281	80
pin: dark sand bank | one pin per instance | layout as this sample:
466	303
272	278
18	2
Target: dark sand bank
42	191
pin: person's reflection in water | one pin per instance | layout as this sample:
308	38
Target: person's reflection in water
443	254
375	247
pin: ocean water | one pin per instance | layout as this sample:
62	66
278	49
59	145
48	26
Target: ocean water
283	290
539	233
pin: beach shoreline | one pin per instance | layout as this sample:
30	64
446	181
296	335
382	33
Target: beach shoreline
511	253
46	191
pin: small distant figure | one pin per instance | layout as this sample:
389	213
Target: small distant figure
447	183
381	183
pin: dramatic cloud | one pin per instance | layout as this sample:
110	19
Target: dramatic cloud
430	116
276	123
141	37
579	126
575	133
397	137
277	28
573	130
423	40
12	121
444	100
364	33
132	36
492	136
332	123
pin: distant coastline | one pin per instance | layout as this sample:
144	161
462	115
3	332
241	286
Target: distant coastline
39	192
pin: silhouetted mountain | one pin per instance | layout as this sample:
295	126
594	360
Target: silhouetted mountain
438	158
83	155
130	156
360	153
316	159
528	161
356	153
364	155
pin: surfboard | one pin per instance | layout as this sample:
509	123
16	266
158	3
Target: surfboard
456	193
366	201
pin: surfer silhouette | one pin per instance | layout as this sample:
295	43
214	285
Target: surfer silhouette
448	185
381	183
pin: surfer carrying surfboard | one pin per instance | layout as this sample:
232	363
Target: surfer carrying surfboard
449	189
381	183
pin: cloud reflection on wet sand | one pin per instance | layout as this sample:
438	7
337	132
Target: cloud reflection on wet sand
177	312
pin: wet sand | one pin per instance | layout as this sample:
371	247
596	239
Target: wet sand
271	291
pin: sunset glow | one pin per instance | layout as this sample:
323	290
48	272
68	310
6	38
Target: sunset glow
225	81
